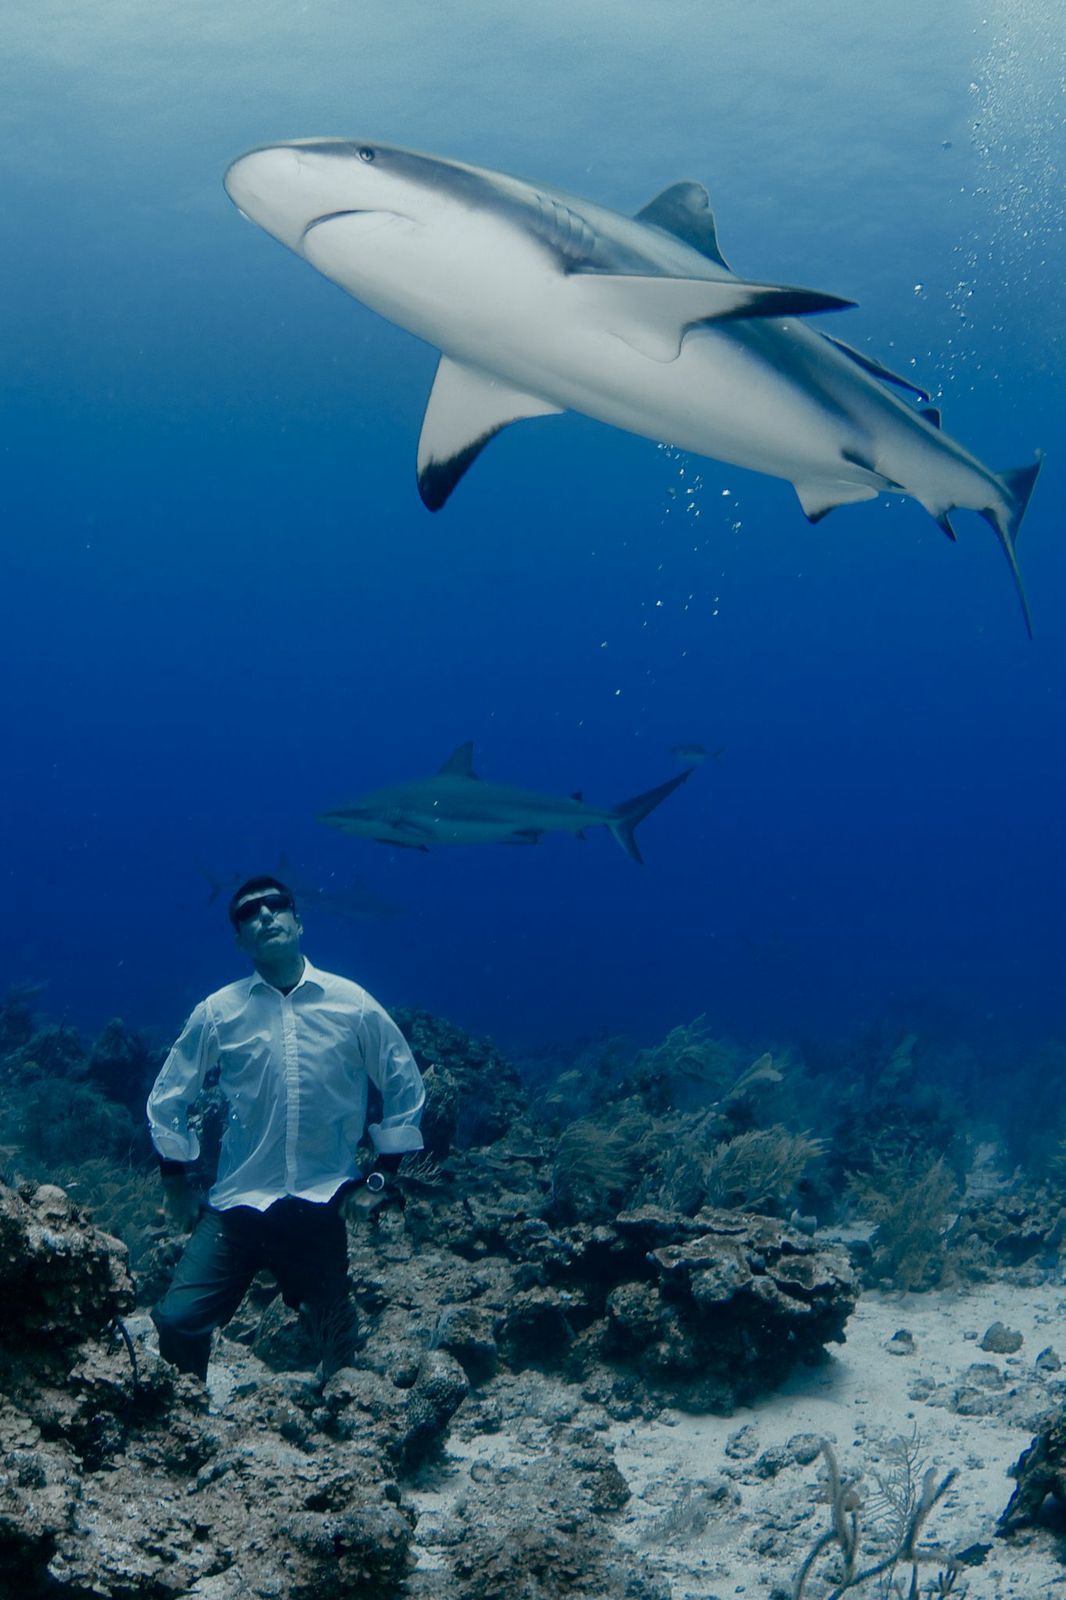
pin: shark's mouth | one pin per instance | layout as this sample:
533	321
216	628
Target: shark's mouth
373	219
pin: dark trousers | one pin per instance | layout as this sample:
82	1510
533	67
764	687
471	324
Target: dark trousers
304	1245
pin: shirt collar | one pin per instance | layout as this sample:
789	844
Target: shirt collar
311	975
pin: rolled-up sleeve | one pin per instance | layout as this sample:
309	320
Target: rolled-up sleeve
178	1085
391	1067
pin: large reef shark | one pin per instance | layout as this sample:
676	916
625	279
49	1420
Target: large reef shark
456	807
542	302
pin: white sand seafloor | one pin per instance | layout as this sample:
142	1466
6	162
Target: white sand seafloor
723	1507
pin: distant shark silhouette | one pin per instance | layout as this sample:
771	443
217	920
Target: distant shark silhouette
541	302
456	807
356	901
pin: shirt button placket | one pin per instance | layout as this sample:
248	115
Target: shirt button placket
292	1090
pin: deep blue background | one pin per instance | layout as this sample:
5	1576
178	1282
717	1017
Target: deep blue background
224	607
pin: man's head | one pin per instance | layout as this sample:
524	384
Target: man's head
264	916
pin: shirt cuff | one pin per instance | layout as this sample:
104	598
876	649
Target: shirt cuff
394	1141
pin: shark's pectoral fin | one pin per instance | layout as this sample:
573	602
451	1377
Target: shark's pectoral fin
652	315
466	409
818	499
684	210
524	836
414	835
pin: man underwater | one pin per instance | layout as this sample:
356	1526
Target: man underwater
296	1051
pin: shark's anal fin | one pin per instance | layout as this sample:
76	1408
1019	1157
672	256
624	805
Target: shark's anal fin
875	368
652	315
684	210
466	409
460	764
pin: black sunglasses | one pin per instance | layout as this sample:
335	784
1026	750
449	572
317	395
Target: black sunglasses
251	908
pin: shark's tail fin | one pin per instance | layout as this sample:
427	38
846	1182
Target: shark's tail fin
624	818
215	885
1017	484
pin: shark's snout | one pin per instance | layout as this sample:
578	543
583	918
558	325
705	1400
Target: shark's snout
278	187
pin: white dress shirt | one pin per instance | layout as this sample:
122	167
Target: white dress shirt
293	1070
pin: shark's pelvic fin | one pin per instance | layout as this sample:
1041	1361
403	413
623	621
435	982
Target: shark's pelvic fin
932	416
653	314
684	210
460	764
818	499
624	818
466	409
876	368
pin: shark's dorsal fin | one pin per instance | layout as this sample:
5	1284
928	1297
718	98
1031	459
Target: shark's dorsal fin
577	795
684	210
652	315
460	764
466	409
875	368
932	416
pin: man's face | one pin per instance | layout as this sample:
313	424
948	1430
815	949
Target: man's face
267	924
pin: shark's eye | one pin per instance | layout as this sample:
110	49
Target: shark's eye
366	154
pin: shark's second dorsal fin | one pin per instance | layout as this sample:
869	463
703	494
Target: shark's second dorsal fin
869	364
685	211
460	764
466	409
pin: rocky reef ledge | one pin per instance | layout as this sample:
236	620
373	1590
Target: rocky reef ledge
119	1478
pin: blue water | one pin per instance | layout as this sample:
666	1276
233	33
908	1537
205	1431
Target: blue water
225	608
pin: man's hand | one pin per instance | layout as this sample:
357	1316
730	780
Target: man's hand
181	1203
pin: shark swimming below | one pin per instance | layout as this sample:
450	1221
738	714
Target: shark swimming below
456	807
356	901
542	302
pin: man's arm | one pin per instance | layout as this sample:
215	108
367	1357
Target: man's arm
173	1094
391	1068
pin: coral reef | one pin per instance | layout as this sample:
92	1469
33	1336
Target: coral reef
604	1250
474	1093
116	1481
1040	1470
911	1200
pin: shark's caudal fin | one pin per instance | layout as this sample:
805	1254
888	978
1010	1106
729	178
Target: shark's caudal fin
1017	484
626	816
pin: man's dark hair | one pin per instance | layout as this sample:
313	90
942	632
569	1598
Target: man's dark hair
261	885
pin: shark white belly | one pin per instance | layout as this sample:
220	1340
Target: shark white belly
541	302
